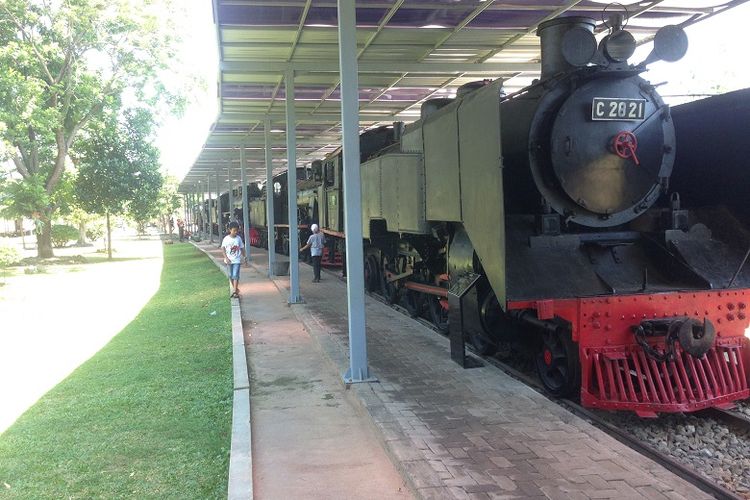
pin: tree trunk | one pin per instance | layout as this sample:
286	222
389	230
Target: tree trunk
19	225
109	239
81	234
44	240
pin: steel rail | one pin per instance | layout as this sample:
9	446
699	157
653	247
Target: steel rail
689	474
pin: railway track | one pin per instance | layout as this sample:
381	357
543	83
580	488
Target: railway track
734	419
687	473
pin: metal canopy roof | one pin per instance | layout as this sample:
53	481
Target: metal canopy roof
408	50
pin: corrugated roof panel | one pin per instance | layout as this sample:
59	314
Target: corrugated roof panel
231	34
392	53
418	32
248	78
255	52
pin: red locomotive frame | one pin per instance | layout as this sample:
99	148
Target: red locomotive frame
616	373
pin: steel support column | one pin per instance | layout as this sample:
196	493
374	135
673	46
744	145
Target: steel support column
188	211
196	206
291	152
218	200
245	214
196	201
193	196
355	279
269	199
203	211
210	212
230	194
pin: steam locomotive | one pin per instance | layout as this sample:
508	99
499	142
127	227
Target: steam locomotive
549	216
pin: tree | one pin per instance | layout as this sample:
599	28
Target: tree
81	219
62	64
150	203
169	202
118	166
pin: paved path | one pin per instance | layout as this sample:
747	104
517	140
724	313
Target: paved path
475	433
53	322
309	439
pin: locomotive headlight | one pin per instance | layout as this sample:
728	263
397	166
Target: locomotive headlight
747	333
670	43
619	46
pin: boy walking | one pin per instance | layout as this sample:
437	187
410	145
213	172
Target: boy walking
234	252
315	243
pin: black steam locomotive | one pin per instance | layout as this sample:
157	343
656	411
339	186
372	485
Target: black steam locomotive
549	216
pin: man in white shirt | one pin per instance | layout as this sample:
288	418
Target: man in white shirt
315	243
234	252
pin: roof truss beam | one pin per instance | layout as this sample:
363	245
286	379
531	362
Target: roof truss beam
256	67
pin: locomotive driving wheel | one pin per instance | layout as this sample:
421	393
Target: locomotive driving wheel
438	314
372	273
489	315
415	302
557	363
389	290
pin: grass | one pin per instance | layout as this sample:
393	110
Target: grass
149	416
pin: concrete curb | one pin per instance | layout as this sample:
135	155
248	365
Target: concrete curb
240	484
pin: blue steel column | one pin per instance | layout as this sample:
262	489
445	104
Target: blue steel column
196	201
355	279
231	193
199	206
203	211
218	200
189	211
210	212
291	163
245	214
269	199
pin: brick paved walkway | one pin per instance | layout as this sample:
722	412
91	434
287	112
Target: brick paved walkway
309	439
475	433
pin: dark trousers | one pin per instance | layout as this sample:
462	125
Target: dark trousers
316	266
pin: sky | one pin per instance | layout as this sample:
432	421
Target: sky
714	63
181	139
716	56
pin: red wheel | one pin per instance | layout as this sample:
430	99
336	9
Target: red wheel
625	145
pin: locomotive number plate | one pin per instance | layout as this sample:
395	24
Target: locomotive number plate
608	108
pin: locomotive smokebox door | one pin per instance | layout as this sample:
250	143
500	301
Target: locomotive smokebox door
462	317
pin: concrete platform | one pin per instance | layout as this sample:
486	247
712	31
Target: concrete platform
451	433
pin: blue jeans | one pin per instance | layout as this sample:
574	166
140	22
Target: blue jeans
234	271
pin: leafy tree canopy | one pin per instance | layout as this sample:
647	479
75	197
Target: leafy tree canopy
118	166
62	65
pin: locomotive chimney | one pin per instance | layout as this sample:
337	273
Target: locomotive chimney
567	42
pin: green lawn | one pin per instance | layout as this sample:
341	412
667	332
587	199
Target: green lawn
149	415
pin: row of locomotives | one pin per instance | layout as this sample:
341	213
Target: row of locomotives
233	212
257	213
320	200
550	217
